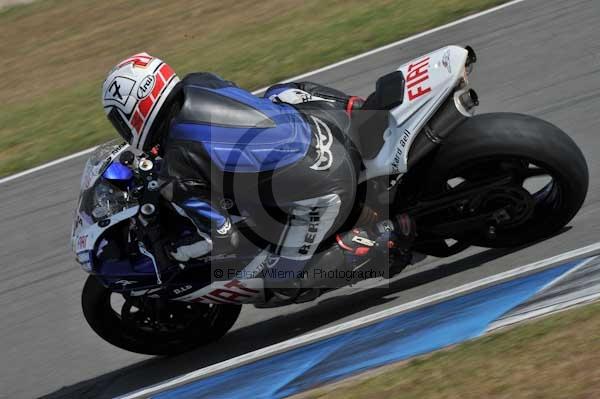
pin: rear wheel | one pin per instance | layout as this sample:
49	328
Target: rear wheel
544	173
153	326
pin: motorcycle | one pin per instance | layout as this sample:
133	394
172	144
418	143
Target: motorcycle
492	180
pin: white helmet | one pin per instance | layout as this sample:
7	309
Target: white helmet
133	94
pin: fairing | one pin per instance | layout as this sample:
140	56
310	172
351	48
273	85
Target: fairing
430	79
101	203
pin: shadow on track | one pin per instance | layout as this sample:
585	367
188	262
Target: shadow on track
267	332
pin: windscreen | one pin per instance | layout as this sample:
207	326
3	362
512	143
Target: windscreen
99	198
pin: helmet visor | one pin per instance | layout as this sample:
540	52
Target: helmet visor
115	117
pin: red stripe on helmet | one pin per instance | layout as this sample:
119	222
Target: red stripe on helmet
145	106
158	86
167	72
139	60
137	122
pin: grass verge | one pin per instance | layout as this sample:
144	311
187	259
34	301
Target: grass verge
554	357
55	53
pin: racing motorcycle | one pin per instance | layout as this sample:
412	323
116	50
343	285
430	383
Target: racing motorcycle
492	180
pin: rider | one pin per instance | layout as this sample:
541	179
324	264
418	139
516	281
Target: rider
285	158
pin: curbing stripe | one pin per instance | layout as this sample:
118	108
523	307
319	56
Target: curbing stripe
302	76
547	310
558	304
361	322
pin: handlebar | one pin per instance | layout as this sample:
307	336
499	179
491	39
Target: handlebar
147	190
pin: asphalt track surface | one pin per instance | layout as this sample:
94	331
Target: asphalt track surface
539	57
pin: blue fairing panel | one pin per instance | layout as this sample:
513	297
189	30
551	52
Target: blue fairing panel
249	150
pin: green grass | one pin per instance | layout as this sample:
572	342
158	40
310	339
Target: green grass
554	357
55	53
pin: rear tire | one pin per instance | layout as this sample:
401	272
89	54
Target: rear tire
208	324
498	141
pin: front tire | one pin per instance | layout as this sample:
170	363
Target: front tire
189	325
500	144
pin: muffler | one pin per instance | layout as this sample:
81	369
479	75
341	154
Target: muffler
451	113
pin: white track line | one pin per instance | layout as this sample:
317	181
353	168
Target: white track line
567	274
361	322
546	310
302	76
531	313
46	165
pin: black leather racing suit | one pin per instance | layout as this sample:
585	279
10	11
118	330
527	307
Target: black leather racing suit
285	160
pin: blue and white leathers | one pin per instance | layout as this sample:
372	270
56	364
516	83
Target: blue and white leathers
240	132
282	159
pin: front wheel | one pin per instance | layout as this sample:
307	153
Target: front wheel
153	326
546	172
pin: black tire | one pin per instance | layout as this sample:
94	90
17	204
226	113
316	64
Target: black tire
509	137
108	324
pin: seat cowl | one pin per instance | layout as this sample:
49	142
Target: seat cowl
370	123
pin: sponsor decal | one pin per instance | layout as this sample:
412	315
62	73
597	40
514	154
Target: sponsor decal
417	79
404	138
78	222
303	96
400	150
81	242
311	234
324	139
226	228
111	156
181	290
119	89
295	96
446	61
363	241
146	86
232	292
115	90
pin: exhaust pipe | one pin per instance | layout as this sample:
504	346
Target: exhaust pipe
471	56
451	113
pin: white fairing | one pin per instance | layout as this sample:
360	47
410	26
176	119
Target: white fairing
86	231
430	79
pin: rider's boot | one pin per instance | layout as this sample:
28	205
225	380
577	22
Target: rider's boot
388	240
